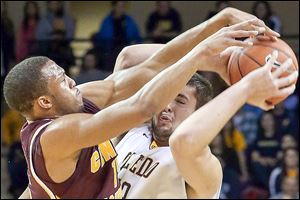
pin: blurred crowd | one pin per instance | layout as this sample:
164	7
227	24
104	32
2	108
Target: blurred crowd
258	150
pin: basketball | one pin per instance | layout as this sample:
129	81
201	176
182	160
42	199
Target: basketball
243	61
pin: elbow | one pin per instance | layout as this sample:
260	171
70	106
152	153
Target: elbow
181	144
124	59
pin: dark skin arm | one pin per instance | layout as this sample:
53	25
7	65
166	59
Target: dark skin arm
138	64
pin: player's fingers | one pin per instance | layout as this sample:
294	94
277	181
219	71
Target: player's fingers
229	50
252	24
283	68
285	91
242	34
270	32
264	29
271	61
255	24
233	42
288	80
266	38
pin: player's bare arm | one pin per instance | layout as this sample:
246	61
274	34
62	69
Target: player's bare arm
189	143
126	82
66	136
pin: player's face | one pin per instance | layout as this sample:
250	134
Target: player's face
178	110
66	97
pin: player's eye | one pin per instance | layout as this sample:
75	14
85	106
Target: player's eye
180	101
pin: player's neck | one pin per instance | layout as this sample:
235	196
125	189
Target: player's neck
32	118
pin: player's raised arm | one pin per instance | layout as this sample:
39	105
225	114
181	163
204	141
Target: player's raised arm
156	57
189	143
78	131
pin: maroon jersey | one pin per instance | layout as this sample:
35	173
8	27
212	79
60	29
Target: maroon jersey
95	175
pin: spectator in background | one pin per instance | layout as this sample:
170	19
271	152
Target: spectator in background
17	169
286	121
246	121
231	183
266	150
89	71
7	40
117	30
288	141
235	141
164	23
27	30
220	5
263	11
60	51
54	32
289	187
56	19
11	124
289	167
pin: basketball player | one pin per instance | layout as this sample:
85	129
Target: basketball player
61	148
149	168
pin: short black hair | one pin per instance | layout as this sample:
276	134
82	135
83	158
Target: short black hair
204	89
24	83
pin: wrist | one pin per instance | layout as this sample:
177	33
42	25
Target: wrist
201	56
225	16
246	88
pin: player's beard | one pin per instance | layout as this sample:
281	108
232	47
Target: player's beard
160	135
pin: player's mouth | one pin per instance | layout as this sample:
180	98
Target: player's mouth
165	118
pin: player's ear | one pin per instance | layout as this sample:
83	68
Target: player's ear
45	102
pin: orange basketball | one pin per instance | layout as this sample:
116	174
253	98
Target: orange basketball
248	59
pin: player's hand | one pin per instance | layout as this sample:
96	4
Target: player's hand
263	83
234	16
212	56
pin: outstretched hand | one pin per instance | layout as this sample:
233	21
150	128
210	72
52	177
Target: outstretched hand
263	83
236	16
216	50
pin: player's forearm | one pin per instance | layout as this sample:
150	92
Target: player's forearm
185	42
196	133
135	54
130	80
164	87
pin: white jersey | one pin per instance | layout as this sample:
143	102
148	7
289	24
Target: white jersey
147	172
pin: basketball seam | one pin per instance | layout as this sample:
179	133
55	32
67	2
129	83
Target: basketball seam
230	67
238	62
287	55
274	48
253	59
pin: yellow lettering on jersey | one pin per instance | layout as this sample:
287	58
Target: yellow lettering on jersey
57	197
114	166
102	159
95	162
117	195
105	153
107	150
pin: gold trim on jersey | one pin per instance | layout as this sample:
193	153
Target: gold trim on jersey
153	145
